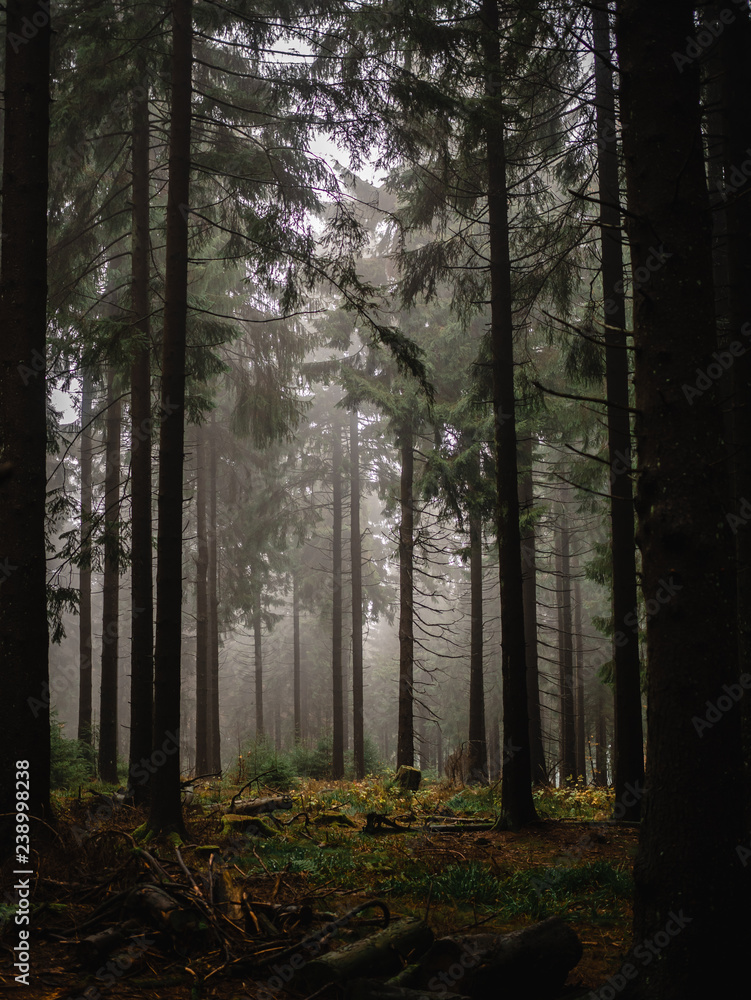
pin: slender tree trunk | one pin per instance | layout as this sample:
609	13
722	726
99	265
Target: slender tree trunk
336	608
84	582
203	693
214	734
142	587
601	750
581	728
24	715
166	807
358	726
529	584
258	660
629	738
565	654
692	825
296	673
406	734
516	784
478	751
108	727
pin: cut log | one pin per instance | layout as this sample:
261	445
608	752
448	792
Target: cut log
408	778
382	953
535	960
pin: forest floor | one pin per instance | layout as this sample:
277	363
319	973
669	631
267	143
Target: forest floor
316	860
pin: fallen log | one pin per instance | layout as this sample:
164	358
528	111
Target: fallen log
163	911
95	947
255	807
535	960
384	953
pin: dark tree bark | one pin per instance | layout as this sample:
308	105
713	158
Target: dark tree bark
337	763
203	694
296	672
629	738
108	728
529	585
406	734
258	659
735	68
24	715
166	808
516	783
358	726
142	587
565	653
687	866
478	751
214	734
84	577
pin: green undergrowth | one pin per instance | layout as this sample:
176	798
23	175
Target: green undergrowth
404	868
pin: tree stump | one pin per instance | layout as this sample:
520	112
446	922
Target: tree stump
408	778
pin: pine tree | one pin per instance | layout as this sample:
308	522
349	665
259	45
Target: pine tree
687	863
24	723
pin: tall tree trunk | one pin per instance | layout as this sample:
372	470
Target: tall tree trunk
581	728
296	672
166	808
203	694
337	762
108	728
406	734
258	659
529	585
358	725
24	715
735	61
693	817
142	587
84	579
629	750
214	734
478	751
516	783
565	653
600	777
